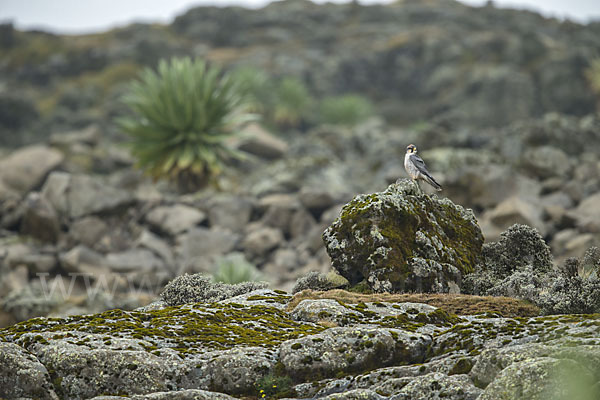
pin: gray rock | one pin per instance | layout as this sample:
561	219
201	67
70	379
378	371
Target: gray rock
400	240
55	190
515	210
189	394
301	224
540	379
546	162
175	219
75	196
323	310
261	241
350	349
12	280
331	214
486	185
205	244
89	372
587	214
88	231
40	219
317	200
134	260
158	246
279	211
285	259
82	259
90	136
356	394
436	386
36	299
256	140
22	375
36	262
491	361
236	371
26	168
229	212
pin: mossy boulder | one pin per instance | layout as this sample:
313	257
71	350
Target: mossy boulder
401	240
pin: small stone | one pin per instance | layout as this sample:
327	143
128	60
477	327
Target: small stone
175	219
26	168
40	219
262	240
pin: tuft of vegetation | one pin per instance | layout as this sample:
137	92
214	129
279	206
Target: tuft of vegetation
255	86
519	246
459	304
182	116
514	266
317	281
575	287
273	386
234	268
593	75
519	265
292	102
199	288
348	110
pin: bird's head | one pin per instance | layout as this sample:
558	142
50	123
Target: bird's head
411	148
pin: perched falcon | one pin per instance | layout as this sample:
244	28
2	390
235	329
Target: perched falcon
416	169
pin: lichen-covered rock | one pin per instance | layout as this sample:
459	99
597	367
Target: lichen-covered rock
491	361
190	394
351	349
22	375
542	379
356	394
82	372
400	240
257	341
437	386
237	370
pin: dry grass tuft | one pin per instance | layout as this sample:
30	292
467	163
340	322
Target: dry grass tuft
459	304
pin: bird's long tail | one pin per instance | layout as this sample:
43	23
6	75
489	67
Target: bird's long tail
433	182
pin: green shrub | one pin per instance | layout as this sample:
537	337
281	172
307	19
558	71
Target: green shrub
255	86
273	386
182	116
292	102
346	110
234	268
593	75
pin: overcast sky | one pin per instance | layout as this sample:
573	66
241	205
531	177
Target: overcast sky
81	16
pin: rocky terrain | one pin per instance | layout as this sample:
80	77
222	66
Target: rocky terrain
259	345
501	108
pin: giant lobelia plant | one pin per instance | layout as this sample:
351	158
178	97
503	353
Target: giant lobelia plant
182	116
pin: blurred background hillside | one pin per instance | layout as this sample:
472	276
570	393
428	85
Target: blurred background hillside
502	104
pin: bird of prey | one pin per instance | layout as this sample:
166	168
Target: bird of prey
416	169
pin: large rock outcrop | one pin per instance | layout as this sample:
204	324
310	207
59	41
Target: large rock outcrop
401	240
265	344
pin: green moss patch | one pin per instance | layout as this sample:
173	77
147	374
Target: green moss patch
185	329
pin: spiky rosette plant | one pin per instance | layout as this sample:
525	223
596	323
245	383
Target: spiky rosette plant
183	115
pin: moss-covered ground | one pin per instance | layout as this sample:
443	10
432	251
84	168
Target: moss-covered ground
186	329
